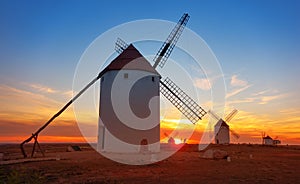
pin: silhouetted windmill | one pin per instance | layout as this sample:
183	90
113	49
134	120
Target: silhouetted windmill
171	139
222	129
267	140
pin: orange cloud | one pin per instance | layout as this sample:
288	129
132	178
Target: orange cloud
43	88
22	112
267	99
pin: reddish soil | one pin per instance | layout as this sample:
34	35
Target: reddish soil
249	164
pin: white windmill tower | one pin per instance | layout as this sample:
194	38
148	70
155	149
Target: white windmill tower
121	93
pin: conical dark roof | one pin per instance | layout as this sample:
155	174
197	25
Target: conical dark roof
221	122
130	59
268	137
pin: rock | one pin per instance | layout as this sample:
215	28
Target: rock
73	148
208	154
215	154
228	159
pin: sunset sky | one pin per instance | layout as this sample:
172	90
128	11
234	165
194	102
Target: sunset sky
257	44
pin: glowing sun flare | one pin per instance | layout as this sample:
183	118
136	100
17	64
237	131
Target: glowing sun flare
177	141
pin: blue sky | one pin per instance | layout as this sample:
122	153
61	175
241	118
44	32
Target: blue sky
39	38
256	41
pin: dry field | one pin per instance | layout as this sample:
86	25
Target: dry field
249	164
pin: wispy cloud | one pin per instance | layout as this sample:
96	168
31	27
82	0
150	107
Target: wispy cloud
43	89
202	83
238	82
290	111
22	105
23	111
261	97
207	82
238	86
246	100
261	92
237	91
267	99
69	93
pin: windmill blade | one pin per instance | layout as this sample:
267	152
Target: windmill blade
236	135
181	101
263	134
168	46
120	45
231	115
214	115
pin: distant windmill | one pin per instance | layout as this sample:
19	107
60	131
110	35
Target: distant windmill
171	139
276	141
267	140
222	129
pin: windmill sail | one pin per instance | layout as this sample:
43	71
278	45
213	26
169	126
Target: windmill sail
168	88
185	104
168	46
236	135
166	49
120	45
231	115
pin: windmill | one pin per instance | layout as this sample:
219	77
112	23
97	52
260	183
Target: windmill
186	105
276	141
140	66
267	140
222	129
108	137
171	139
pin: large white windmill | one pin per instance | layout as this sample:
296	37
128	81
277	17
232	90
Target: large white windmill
115	135
129	81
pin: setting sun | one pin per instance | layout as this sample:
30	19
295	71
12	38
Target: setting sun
177	141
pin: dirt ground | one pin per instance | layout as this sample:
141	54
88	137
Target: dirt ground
249	164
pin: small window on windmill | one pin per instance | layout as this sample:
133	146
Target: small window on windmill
125	75
152	79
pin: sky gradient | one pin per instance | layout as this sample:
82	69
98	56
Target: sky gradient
256	42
